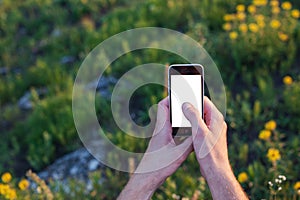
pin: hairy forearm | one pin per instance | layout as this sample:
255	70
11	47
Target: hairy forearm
140	186
223	184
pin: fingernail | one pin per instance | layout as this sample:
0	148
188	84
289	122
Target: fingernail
186	105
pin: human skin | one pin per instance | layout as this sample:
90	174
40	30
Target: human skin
208	140
210	146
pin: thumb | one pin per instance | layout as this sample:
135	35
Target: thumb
191	113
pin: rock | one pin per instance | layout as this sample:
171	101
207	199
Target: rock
76	165
25	102
93	164
67	59
3	71
102	86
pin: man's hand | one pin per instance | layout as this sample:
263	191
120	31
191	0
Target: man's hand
161	159
210	146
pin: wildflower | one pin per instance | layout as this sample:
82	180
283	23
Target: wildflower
242	177
295	13
283	37
240	8
297	185
243	28
273	154
233	35
261	24
241	16
260	2
3	188
10	194
259	17
275	10
264	134
270	183
274	3
228	17
227	26
278	181
270	125
253	27
286	5
275	24
6	177
287	80
23	184
282	177
42	185
251	9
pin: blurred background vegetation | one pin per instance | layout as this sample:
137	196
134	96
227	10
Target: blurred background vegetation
255	44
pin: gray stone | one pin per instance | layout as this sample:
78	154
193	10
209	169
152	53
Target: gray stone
25	102
3	70
77	165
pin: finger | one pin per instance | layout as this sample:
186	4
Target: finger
211	113
165	102
192	114
163	125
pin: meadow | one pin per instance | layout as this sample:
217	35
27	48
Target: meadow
254	43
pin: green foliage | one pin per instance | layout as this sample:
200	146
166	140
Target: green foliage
42	44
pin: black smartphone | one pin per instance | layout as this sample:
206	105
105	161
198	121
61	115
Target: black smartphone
186	84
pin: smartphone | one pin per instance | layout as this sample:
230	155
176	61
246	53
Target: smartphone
185	84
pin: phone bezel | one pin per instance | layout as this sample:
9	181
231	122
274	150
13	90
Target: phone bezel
184	69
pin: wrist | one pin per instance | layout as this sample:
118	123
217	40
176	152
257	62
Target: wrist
223	184
141	186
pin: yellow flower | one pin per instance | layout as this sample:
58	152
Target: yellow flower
273	154
251	9
11	194
287	80
242	177
286	5
3	188
243	28
259	17
240	8
283	37
227	26
260	2
228	17
241	16
297	185
233	35
275	10
23	184
274	3
6	177
295	13
261	24
275	24
253	27
270	125
264	134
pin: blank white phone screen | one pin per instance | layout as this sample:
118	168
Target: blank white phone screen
185	88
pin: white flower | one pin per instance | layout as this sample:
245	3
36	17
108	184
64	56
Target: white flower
280	188
270	183
282	177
